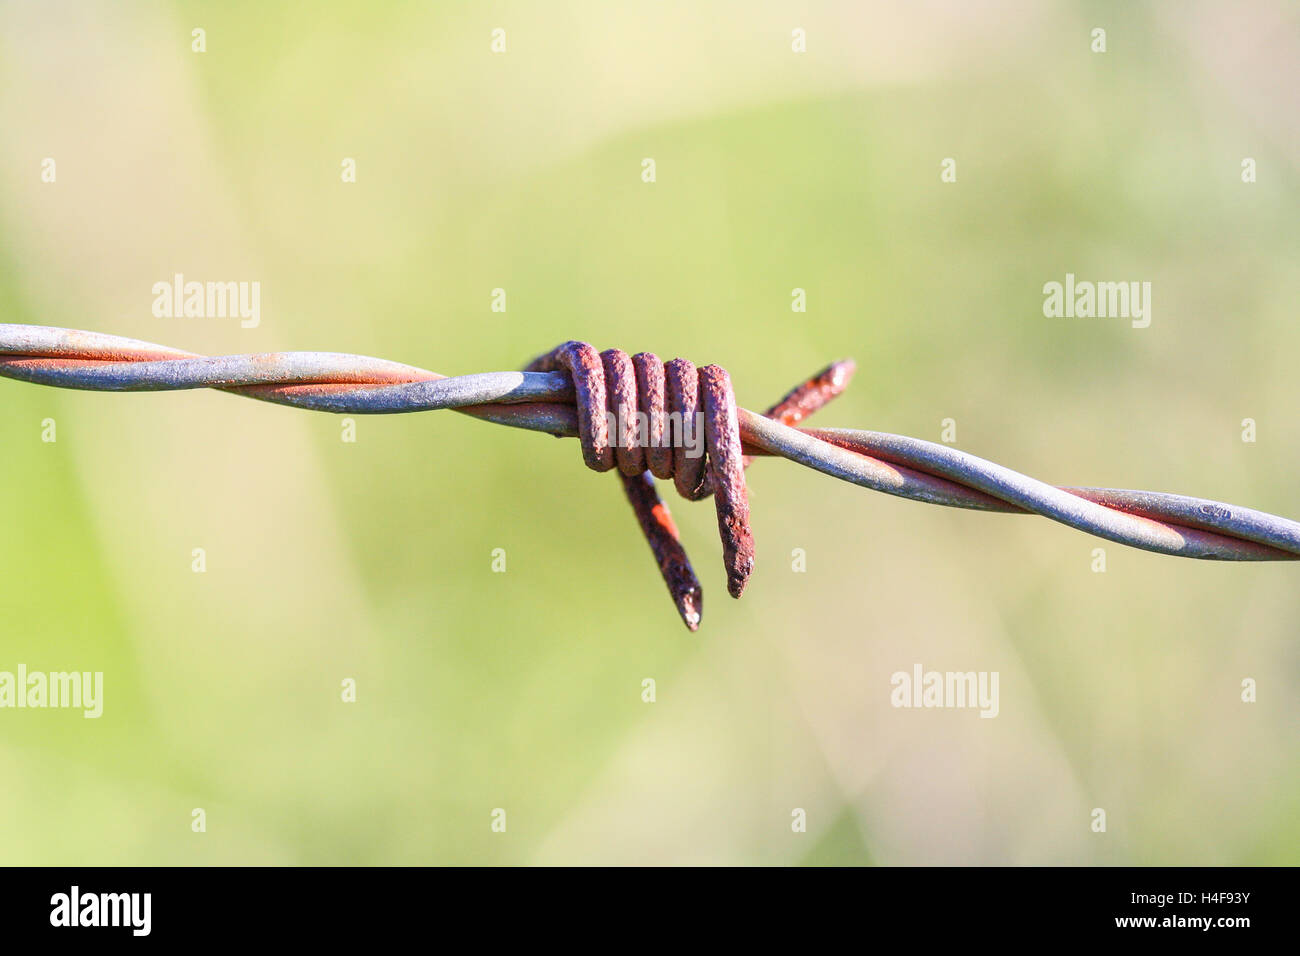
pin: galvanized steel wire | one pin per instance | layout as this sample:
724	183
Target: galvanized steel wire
545	401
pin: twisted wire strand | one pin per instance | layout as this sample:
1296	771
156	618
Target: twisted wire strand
544	401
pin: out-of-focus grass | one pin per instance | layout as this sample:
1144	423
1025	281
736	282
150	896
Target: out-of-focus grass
479	690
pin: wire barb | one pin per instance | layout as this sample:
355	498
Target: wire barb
620	424
558	394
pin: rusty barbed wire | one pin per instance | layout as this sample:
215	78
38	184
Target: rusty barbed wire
566	392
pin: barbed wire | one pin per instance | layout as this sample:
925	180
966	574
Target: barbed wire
562	391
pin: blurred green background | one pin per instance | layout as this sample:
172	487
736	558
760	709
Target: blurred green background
521	170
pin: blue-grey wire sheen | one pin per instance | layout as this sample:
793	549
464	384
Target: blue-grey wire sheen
893	464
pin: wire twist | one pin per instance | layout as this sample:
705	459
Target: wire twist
669	398
567	392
